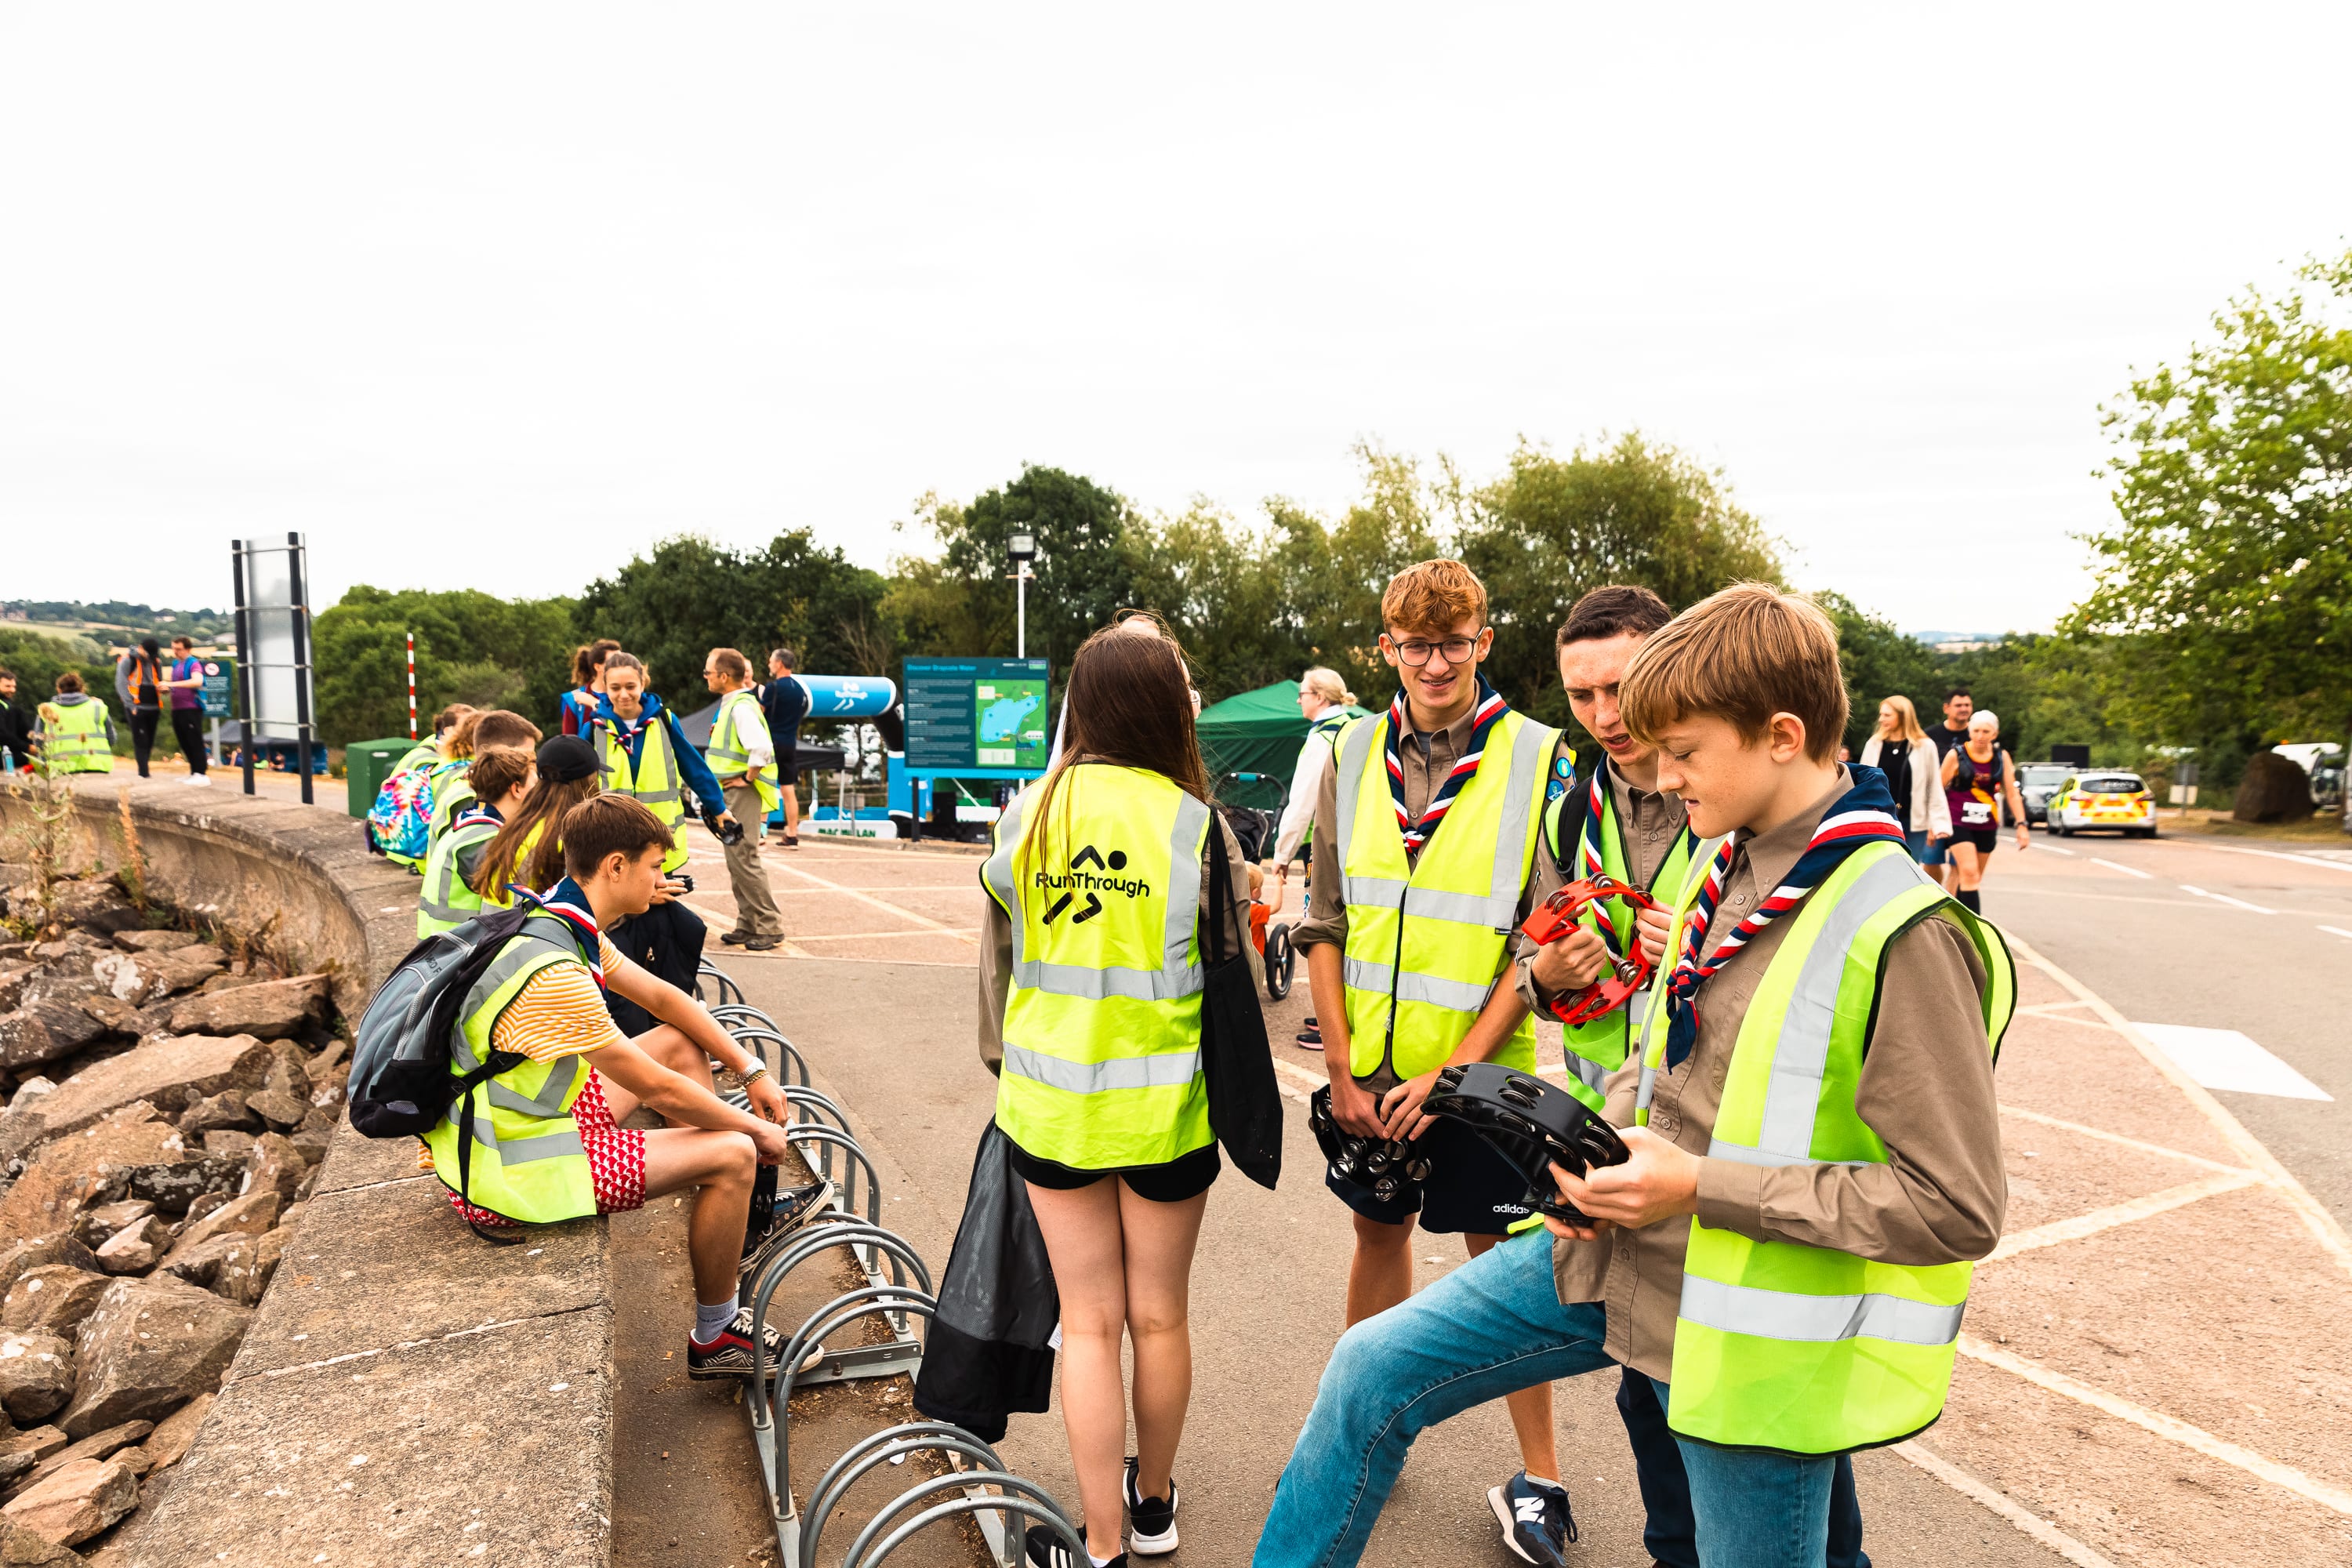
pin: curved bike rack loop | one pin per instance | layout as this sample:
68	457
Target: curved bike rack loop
818	1099
887	1447
1030	1499
828	1139
853	1234
791	1056
726	984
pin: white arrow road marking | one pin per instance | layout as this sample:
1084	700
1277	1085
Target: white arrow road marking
2126	870
2226	1058
2226	899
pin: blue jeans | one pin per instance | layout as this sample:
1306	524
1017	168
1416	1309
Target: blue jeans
1918	843
1491	1327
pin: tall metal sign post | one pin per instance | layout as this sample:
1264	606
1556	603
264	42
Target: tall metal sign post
273	648
1020	549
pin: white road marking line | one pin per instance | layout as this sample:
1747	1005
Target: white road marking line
2315	1215
2167	1426
1298	1083
2031	1523
2269	855
2227	1059
2055	849
888	909
2226	899
2337	930
2053	1009
871	935
2108	1218
2103	1136
2126	870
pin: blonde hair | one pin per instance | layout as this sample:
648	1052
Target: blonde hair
1906	717
1742	655
1433	596
1328	685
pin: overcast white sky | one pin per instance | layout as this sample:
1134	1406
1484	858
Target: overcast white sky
494	296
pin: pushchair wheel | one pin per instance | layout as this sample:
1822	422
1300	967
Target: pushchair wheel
1281	960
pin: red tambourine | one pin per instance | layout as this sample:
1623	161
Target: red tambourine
1557	917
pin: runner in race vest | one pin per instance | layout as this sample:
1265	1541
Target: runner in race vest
1978	775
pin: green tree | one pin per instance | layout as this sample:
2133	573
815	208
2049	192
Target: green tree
471	646
690	595
2227	565
1879	662
1552	528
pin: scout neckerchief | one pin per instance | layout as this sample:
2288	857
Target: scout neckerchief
1485	716
477	814
1863	814
568	903
1588	854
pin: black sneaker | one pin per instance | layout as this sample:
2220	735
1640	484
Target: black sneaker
1152	1520
795	1207
1044	1548
1311	1038
735	938
730	1355
1537	1524
763	943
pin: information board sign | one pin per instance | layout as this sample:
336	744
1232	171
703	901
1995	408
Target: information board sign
978	718
217	694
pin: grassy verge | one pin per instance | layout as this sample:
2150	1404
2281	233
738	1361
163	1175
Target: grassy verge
2324	827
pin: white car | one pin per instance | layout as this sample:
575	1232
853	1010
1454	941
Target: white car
2104	800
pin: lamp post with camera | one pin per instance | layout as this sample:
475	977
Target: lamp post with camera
1020	549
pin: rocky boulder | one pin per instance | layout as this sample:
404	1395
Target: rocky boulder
156	940
36	1374
140	978
125	1156
137	1249
107	1220
14	972
44	1031
97	1446
76	1501
271	1010
223	1111
57	1247
97	908
56	1296
153	1344
24	1547
152	1073
277	1164
251	1215
174	1434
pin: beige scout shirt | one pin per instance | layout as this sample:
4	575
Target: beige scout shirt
1648	821
996	942
1426	761
1926	1090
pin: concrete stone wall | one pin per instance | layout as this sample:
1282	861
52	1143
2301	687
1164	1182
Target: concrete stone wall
406	1392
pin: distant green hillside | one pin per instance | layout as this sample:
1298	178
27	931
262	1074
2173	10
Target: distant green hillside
118	615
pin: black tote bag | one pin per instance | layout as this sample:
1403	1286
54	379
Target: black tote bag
1244	1104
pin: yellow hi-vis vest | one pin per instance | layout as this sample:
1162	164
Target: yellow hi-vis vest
1426	939
445	900
1805	1349
527	1162
1599	1047
422	755
1102	1027
451	795
75	742
655	781
739	722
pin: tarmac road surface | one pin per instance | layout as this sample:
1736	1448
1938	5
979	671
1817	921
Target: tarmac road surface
2212	934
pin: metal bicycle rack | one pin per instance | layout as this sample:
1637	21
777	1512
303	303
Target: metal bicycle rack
897	1288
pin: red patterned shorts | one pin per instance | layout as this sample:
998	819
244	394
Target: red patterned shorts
616	1158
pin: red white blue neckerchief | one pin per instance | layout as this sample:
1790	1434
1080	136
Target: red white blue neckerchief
477	815
1485	716
1863	814
568	903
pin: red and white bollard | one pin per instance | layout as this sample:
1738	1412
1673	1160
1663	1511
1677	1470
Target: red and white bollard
412	686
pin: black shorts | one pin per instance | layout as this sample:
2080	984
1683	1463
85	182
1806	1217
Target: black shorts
1984	839
1185	1177
1471	1189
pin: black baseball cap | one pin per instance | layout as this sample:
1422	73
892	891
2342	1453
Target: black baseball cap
566	759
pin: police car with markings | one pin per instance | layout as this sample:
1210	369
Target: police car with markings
2100	801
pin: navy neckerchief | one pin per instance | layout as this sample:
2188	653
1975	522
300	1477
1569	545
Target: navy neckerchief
1863	814
1417	831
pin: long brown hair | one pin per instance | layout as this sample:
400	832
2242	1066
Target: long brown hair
588	659
1130	703
542	812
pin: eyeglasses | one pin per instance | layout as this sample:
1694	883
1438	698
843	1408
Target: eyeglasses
1416	653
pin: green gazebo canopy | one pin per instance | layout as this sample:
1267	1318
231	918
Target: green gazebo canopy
1256	731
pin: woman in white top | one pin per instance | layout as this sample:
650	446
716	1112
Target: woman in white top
1324	698
1901	750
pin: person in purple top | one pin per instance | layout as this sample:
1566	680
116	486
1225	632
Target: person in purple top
186	682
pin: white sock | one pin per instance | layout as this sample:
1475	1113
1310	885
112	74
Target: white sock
1534	1479
709	1319
1101	1562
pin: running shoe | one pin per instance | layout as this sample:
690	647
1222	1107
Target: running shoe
795	1207
730	1355
1152	1520
1310	1037
1044	1548
1537	1524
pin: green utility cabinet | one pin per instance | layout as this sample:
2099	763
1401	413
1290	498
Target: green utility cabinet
366	764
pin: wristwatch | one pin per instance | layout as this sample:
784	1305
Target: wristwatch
756	1070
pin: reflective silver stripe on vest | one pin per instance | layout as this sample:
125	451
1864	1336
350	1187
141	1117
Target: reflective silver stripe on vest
1363	975
1165	1069
725	745
523	1151
1792	1096
562	1074
1179	975
1495	909
655	731
1783	1315
437	899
